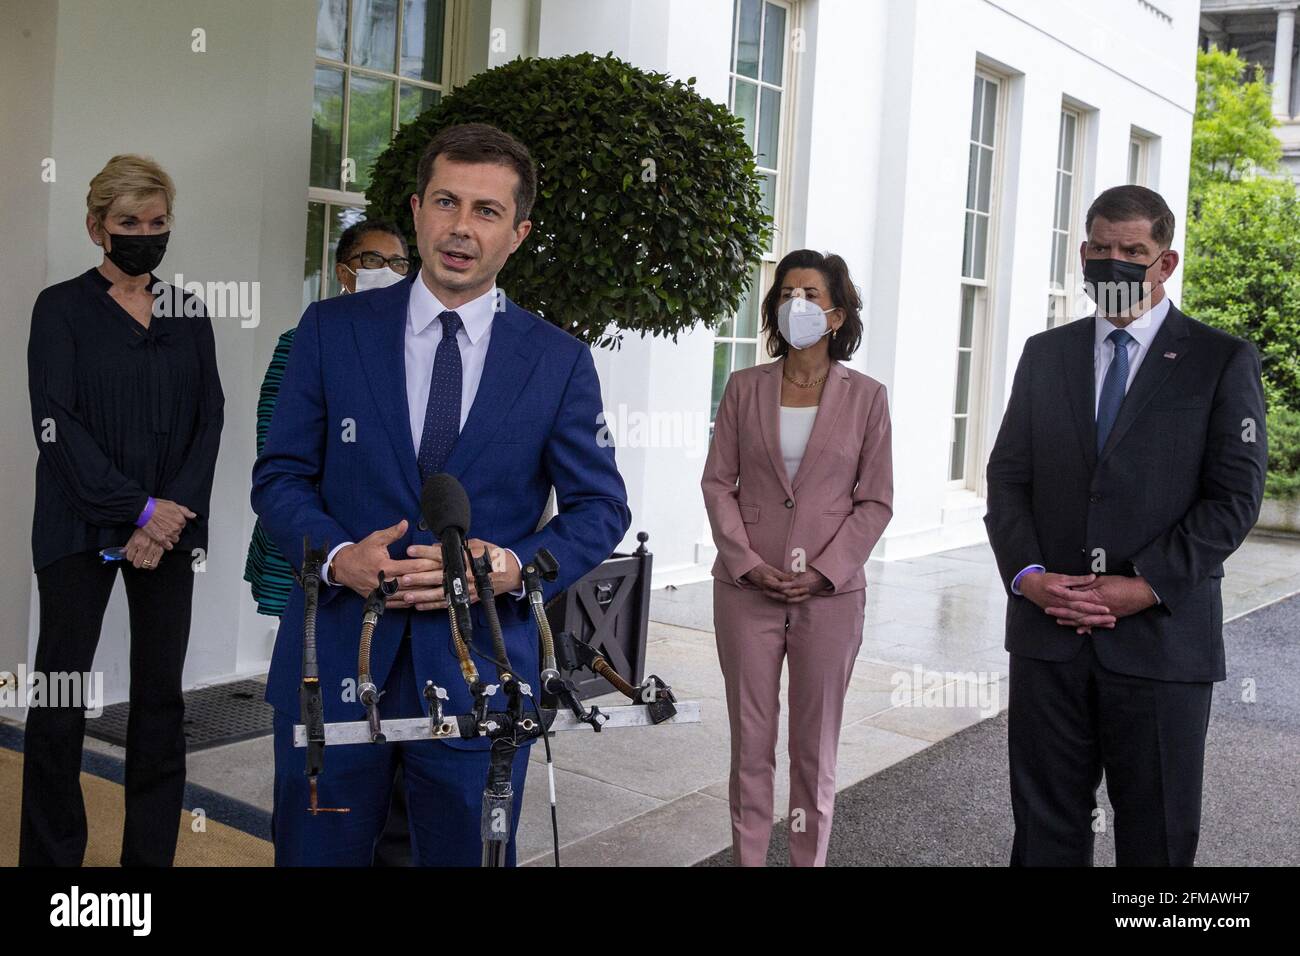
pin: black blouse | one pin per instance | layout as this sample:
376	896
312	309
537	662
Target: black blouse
121	413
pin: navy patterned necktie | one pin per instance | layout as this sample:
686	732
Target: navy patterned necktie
1113	386
442	414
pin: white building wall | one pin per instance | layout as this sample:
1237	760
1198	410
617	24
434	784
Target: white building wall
1117	57
232	127
878	174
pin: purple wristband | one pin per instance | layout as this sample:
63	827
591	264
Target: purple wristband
145	515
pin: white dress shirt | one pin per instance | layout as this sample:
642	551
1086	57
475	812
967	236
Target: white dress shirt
423	334
1143	329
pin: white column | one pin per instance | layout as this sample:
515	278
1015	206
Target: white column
1282	61
1295	85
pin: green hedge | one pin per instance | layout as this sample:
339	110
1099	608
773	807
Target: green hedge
1283	453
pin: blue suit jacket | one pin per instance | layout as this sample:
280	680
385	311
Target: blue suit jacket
339	464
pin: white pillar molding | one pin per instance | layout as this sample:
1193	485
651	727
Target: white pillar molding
1295	87
1284	42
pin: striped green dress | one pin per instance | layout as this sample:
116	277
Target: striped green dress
266	569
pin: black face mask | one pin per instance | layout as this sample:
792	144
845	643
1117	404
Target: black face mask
1115	284
136	255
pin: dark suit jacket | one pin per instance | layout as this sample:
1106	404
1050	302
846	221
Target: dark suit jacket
1173	493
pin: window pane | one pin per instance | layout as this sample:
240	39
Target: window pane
968	245
957	464
340	217
744	99
963	382
966	335
311	263
1060	254
1064	192
747	316
422	24
747	48
727	327
744	356
374	34
414	101
370	125
984	197
327	128
990	112
1067	161
975	109
769	128
331	28
972	175
1134	155
981	246
768	185
773	43
721	369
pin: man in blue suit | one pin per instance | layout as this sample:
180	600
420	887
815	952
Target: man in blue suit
438	373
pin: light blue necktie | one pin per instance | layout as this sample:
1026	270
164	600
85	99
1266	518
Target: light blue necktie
442	414
1113	386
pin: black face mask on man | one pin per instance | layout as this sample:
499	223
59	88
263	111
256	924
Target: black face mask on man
136	255
1116	285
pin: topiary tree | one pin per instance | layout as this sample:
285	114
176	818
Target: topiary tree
648	213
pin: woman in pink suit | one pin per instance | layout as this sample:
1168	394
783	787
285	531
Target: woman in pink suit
799	487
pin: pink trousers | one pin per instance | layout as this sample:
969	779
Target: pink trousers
755	635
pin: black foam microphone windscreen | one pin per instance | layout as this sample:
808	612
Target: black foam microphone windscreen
444	504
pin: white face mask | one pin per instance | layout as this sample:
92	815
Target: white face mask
376	278
801	323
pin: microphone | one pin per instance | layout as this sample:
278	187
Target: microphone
445	509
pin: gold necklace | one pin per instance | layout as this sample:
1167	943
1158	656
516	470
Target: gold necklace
812	384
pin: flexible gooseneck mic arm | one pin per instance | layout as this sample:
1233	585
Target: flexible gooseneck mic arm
543	567
310	701
482	567
366	689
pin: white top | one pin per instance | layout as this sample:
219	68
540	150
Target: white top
424	332
1143	329
796	426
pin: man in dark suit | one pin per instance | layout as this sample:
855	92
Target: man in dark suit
438	373
1130	463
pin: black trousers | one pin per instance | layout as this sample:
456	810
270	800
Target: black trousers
74	593
1070	721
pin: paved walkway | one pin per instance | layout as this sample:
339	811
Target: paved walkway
659	796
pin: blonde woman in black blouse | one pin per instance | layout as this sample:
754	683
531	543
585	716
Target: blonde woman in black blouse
127	411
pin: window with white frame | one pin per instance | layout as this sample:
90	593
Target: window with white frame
1065	217
981	186
760	95
379	64
1138	151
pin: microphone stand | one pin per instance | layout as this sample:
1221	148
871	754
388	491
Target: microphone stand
498	792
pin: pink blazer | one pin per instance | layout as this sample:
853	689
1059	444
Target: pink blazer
840	500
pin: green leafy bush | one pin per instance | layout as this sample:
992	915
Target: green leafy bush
648	213
1283	453
1243	273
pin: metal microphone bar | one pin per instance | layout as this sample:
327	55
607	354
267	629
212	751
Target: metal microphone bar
422	728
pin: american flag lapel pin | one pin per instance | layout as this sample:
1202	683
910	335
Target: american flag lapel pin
1171	355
